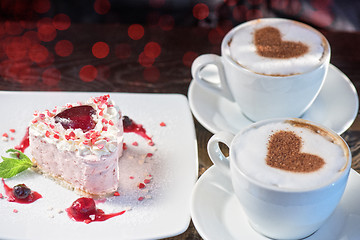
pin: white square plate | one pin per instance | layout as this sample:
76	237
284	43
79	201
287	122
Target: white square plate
164	212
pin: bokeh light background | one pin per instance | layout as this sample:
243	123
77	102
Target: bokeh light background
45	45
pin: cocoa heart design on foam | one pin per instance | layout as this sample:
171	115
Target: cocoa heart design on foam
284	153
269	44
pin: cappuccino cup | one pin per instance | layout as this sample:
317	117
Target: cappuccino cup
288	174
270	67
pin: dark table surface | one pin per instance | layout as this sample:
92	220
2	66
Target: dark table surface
121	70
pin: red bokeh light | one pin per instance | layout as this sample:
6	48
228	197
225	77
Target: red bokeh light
239	13
123	50
46	30
166	22
136	31
189	57
102	6
38	53
321	4
253	14
145	60
200	11
156	3
320	17
32	36
152	49
51	76
13	27
48	61
64	48
88	73
151	74
20	71
61	21
231	3
16	48
41	6
100	49
216	35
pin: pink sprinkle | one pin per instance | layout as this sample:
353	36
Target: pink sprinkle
141	185
5	135
72	135
104	121
105	128
48	113
87	135
67	137
116	194
15	211
56	136
151	143
42	116
34	121
12	138
51	126
147	181
124	146
135	143
162	124
100	146
85	142
141	198
111	123
1	196
131	177
101	113
149	155
47	134
12	130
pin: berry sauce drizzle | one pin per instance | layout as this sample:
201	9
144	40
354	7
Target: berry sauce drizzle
131	126
84	210
24	144
33	196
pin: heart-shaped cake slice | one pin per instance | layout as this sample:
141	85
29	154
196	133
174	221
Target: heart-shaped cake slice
79	144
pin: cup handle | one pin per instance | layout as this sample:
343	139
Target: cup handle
215	153
200	63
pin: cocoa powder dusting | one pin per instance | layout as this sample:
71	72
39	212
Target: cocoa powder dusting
269	44
284	153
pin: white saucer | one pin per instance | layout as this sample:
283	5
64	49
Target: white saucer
217	214
336	106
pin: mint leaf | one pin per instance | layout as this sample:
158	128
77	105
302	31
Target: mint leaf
19	162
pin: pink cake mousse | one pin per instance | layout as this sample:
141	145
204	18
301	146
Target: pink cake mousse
80	144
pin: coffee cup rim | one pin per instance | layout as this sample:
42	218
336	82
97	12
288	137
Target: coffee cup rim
225	52
344	171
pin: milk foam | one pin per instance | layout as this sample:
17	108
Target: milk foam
250	150
243	50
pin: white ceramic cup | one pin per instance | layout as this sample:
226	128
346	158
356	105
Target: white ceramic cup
276	212
261	96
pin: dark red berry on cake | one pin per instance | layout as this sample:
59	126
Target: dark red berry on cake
77	117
